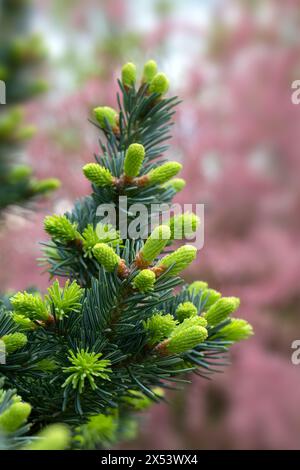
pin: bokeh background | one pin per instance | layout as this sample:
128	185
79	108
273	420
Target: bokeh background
232	62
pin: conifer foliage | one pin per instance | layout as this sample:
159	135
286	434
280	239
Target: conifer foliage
20	55
102	345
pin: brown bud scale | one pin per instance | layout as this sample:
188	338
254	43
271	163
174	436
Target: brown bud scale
140	262
142	181
158	270
123	270
161	348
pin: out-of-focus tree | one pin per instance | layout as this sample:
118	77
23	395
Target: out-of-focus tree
20	54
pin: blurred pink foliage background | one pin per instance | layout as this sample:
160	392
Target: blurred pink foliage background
236	133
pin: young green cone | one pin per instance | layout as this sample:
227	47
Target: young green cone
191	321
14	417
159	326
23	323
197	287
13	342
186	340
60	228
102	233
134	157
237	330
183	225
159	84
128	74
106	115
144	281
53	437
164	173
154	244
179	260
209	297
29	305
44	186
221	310
177	184
149	72
99	428
106	256
98	175
182	340
186	310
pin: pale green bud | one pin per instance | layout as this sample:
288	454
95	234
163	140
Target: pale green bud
59	227
197	287
29	305
44	186
105	114
179	260
128	74
159	326
103	233
183	225
144	281
134	158
237	330
155	243
185	339
149	72
209	297
106	256
14	341
90	239
100	428
221	310
191	321
177	184
53	437
14	416
23	322
163	173
98	175
159	84
186	310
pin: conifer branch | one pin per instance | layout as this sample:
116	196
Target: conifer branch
106	343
